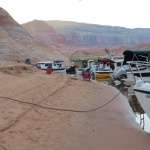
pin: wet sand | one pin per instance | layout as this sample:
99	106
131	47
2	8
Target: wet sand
27	127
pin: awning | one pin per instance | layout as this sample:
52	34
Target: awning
136	55
106	60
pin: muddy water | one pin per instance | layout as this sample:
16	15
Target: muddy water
140	116
144	121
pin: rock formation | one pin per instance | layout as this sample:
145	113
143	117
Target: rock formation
45	33
17	44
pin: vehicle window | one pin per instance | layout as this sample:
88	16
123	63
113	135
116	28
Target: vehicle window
40	63
48	65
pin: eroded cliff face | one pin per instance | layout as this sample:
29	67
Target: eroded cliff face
82	34
72	37
100	35
17	44
45	33
38	26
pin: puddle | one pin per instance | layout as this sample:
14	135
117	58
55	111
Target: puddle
140	116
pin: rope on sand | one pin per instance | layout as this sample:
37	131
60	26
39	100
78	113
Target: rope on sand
61	109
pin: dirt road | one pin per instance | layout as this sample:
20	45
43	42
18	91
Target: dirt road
27	127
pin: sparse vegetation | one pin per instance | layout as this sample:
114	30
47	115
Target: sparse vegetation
87	57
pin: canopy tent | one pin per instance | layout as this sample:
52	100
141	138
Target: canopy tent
136	55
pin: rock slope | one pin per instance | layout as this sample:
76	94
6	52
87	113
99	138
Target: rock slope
17	44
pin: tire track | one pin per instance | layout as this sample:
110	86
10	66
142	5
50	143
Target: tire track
20	116
23	85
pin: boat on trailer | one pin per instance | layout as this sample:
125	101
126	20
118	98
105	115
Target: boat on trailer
105	68
124	75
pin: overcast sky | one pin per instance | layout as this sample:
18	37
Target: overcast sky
124	13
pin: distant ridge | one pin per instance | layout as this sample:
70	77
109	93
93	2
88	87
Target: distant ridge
101	35
82	34
73	37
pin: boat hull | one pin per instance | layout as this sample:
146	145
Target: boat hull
60	70
102	75
79	71
143	95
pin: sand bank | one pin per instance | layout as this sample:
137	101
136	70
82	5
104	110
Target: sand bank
28	127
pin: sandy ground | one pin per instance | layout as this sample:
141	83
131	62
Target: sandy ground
27	127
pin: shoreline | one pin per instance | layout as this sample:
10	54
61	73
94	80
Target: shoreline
25	127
